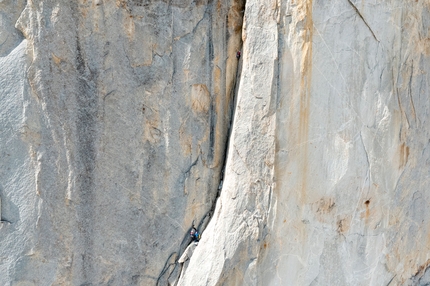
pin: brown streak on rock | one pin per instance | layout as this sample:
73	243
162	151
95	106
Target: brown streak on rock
325	205
422	268
56	59
305	91
367	202
323	209
403	155
129	27
200	98
343	225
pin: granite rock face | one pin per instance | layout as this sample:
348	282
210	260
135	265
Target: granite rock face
328	166
114	125
116	139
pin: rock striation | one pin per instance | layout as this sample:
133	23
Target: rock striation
124	123
327	172
114	125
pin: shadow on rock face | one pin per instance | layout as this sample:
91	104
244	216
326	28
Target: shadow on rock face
27	272
10	37
9	211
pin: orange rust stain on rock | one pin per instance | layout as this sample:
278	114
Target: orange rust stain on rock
56	59
186	143
129	27
367	209
217	74
323	208
305	90
426	46
235	16
343	225
325	205
219	5
422	268
403	155
121	3
200	98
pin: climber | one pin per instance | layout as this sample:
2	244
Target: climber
238	55
195	236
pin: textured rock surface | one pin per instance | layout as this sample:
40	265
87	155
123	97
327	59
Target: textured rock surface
328	166
19	202
115	118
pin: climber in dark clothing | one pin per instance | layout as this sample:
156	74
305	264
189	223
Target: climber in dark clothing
195	236
238	55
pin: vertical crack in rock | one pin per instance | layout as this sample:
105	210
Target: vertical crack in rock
229	130
364	20
410	93
86	100
220	128
391	280
212	111
422	275
171	261
230	246
234	44
171	266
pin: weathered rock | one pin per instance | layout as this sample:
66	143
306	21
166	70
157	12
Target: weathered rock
115	126
327	172
10	37
115	120
19	203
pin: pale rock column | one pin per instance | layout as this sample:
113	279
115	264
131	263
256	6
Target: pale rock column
230	245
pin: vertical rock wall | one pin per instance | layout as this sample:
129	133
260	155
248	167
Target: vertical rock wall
19	201
327	170
352	181
115	118
359	217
